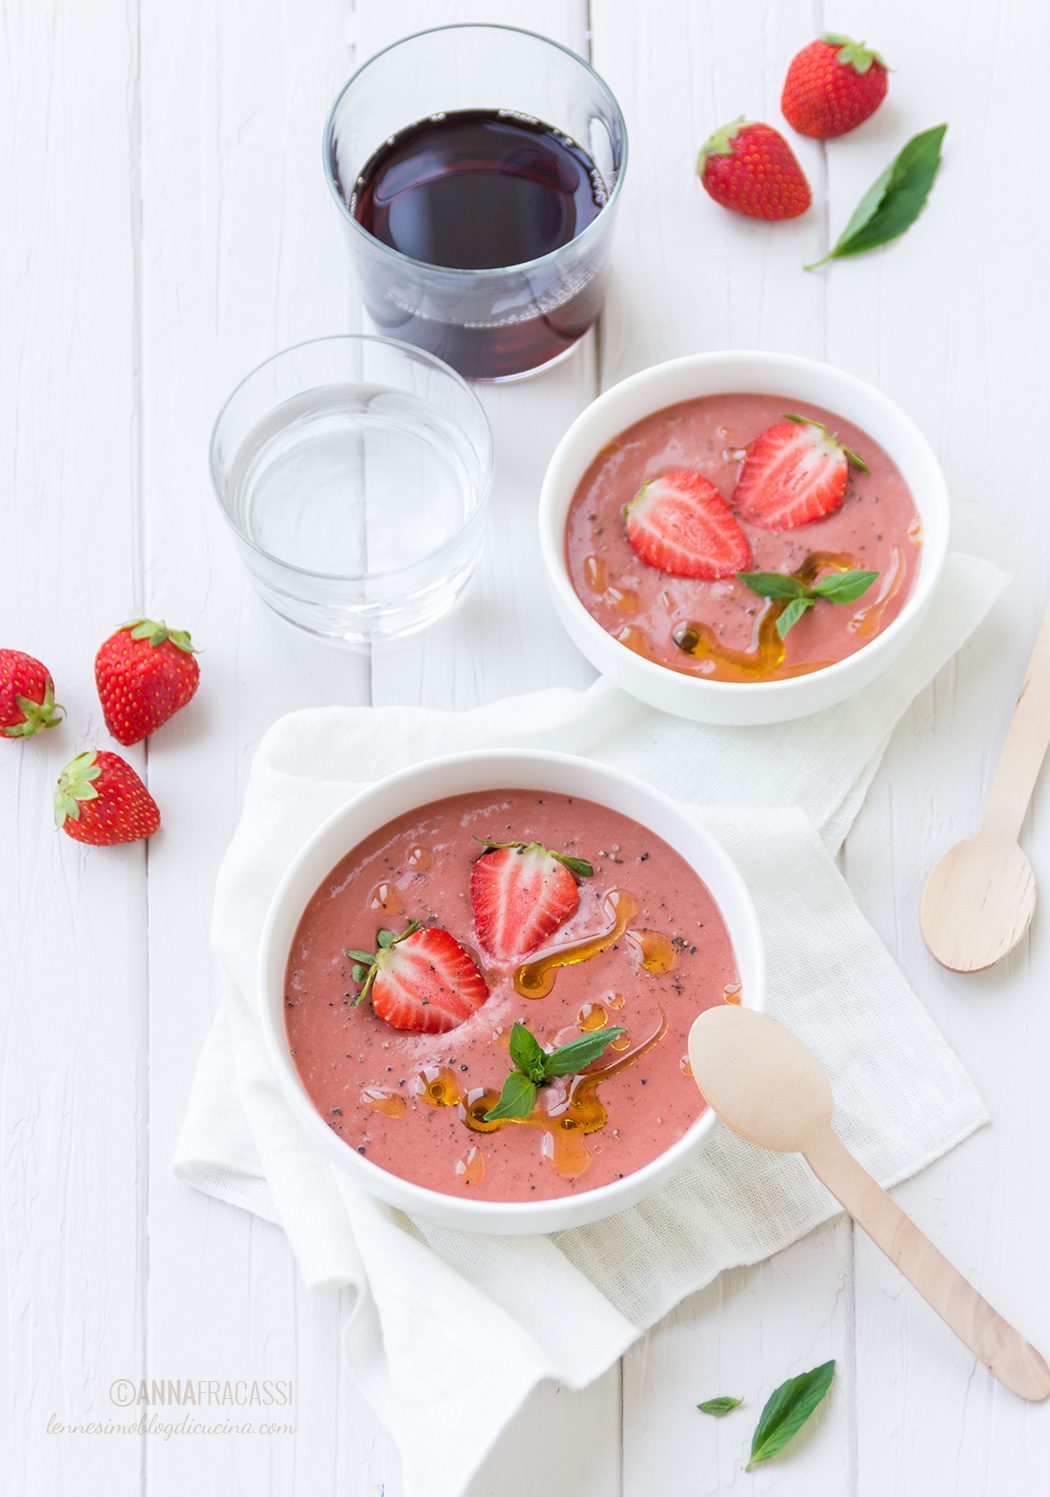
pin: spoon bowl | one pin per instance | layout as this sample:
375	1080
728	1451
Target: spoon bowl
760	1078
978	902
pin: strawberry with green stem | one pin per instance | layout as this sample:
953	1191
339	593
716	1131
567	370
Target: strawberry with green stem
832	86
750	169
520	893
795	472
145	672
27	696
419	979
100	799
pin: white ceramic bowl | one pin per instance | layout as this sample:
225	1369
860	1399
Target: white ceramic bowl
455	775
795	379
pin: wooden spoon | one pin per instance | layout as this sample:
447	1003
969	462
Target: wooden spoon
773	1091
980	898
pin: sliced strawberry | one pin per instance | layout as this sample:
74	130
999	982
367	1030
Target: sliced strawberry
520	893
680	524
420	979
795	472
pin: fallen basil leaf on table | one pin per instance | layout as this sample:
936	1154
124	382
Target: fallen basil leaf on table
719	1407
894	200
787	1410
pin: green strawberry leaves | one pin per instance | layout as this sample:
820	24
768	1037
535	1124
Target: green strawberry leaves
535	1067
894	200
798	598
851	456
157	633
856	55
75	784
579	866
366	963
787	1410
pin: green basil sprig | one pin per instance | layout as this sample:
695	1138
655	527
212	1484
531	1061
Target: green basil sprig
719	1407
535	1067
894	200
787	1410
836	587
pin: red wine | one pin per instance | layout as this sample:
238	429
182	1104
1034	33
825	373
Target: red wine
481	190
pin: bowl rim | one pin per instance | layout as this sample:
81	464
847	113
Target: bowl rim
486	457
452	271
552	516
553	1213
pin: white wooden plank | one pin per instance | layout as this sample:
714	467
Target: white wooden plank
942	320
242	255
72	1027
691	277
500	640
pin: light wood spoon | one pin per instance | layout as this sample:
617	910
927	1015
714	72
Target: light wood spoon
980	898
773	1091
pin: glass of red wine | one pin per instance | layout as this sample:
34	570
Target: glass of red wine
478	170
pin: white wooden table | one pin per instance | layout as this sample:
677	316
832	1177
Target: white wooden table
165	226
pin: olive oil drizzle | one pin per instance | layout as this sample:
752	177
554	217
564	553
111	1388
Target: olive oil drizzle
574	1110
700	642
535	979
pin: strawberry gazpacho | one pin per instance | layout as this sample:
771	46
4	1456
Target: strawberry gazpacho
743	537
491	995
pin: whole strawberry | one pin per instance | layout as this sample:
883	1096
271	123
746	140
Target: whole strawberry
751	169
832	86
144	674
100	799
27	696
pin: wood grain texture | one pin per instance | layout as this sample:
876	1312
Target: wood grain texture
168	226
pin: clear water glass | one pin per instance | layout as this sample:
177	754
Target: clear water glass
354	473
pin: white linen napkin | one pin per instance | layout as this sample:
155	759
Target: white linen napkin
567	1306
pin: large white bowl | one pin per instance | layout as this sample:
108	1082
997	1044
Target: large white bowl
796	379
456	775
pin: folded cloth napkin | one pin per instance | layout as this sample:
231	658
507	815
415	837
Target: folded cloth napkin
567	1306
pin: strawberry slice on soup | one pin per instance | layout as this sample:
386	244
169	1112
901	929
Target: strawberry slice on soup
795	472
520	894
680	524
421	979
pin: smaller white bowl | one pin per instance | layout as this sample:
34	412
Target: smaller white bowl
796	379
459	774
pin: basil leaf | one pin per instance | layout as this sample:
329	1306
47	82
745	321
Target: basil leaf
787	1410
516	1100
773	584
791	615
527	1053
570	1058
844	587
719	1407
894	200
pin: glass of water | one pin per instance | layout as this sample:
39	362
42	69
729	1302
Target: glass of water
354	473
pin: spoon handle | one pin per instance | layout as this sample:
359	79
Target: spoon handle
992	1340
1025	748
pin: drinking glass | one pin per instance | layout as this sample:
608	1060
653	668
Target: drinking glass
489	324
354	473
